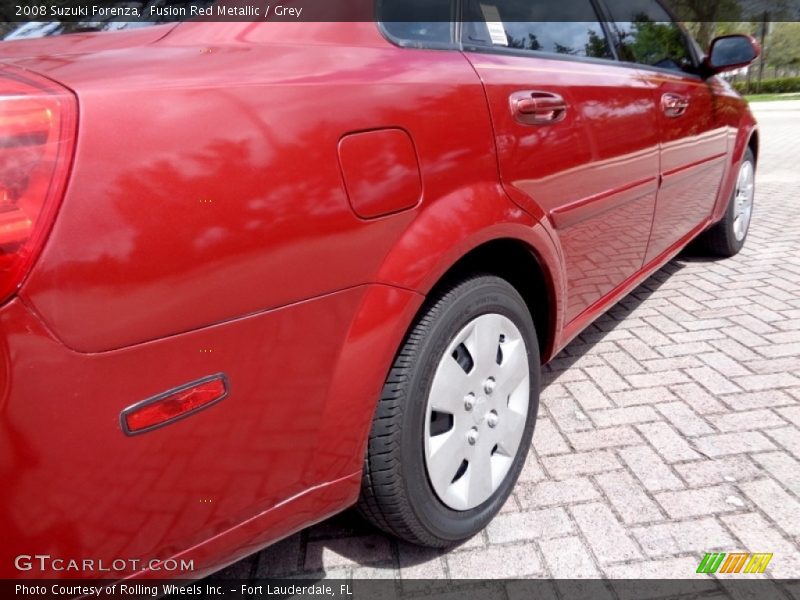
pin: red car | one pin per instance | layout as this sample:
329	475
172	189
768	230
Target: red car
252	274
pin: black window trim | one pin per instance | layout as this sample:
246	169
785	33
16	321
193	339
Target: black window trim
603	18
504	50
455	31
539	54
691	47
605	23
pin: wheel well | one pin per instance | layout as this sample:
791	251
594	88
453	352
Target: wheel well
752	143
516	263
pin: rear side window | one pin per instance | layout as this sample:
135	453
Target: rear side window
648	35
423	23
10	31
568	27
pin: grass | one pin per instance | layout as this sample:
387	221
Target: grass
771	97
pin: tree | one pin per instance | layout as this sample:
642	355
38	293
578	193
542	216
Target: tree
784	45
658	44
705	14
597	46
562	49
531	44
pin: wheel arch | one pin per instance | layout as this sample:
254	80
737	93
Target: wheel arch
516	262
747	137
435	249
387	314
753	143
481	230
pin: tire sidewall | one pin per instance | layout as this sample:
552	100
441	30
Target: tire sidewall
487	295
730	215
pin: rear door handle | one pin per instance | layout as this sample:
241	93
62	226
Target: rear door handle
674	105
532	107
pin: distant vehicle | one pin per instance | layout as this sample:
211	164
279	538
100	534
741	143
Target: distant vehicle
252	274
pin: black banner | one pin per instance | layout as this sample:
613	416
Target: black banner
121	11
390	589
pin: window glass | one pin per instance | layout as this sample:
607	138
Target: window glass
563	27
649	36
417	21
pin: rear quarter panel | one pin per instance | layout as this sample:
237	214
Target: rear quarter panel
206	184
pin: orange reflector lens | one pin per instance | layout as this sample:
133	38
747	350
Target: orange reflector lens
173	405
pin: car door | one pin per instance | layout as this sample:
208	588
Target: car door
576	137
693	141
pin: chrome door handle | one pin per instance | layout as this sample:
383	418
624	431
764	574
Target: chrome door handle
538	108
674	105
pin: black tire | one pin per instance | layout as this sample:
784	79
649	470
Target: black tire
396	494
720	240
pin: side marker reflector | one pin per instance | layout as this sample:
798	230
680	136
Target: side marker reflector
173	405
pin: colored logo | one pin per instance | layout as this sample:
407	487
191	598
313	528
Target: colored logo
735	562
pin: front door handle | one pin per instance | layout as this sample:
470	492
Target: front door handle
538	108
674	105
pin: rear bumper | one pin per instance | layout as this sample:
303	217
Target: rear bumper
282	451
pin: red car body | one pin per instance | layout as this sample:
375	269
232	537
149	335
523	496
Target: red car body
274	202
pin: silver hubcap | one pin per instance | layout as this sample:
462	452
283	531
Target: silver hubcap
476	411
743	200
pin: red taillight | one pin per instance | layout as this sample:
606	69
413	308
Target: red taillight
173	405
38	121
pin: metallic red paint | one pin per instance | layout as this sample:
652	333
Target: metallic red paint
381	172
206	228
593	174
279	434
693	156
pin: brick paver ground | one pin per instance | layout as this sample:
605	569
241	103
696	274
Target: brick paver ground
671	427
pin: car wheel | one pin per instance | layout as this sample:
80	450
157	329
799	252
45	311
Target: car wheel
727	237
454	422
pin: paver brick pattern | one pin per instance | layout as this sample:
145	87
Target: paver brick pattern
669	428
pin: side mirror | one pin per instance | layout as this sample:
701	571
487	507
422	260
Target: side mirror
729	52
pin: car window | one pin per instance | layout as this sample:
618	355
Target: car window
565	27
417	22
649	36
10	31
